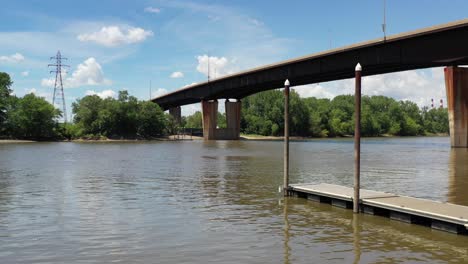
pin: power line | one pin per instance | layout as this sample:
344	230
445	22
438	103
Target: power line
58	86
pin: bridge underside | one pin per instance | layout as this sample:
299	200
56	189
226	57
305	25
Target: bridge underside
445	45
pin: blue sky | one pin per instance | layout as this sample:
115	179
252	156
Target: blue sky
115	45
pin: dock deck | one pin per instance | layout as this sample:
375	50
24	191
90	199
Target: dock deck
442	216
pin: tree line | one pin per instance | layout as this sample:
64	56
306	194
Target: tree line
263	114
32	117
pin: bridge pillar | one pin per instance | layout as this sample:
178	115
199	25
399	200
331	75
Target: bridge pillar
176	113
456	85
233	116
210	118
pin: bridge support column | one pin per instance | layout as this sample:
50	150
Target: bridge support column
210	118
456	85
233	115
176	113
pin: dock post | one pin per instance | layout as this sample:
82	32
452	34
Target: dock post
286	139
357	139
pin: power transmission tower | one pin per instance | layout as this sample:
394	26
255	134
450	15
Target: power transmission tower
58	87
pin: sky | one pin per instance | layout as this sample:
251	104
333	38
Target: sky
132	45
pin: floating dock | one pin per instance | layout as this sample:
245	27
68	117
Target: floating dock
437	215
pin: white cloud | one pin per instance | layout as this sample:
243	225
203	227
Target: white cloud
25	73
418	86
313	90
87	73
32	90
104	94
219	66
192	108
48	82
249	40
187	85
150	9
177	74
44	94
114	35
158	92
14	58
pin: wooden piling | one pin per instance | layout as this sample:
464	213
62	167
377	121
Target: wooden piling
286	138
357	139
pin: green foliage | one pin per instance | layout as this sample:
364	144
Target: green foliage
195	120
221	120
150	120
125	117
262	114
5	84
32	117
435	120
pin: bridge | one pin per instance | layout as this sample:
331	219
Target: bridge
442	45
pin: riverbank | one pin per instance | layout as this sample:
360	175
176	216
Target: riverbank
9	141
297	138
247	137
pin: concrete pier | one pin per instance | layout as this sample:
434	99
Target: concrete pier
233	117
176	113
456	85
210	119
441	216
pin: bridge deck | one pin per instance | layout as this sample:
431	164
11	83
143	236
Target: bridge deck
443	216
443	45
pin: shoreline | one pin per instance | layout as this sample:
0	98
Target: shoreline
243	137
9	141
297	138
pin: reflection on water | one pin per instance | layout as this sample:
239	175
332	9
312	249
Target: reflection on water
319	233
287	226
458	176
186	202
357	238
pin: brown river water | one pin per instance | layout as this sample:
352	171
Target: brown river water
218	202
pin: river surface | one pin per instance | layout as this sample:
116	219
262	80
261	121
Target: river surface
218	202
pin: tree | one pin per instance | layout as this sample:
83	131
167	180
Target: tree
32	117
435	120
221	120
299	115
5	84
151	121
262	113
125	117
341	119
411	124
195	120
319	111
86	111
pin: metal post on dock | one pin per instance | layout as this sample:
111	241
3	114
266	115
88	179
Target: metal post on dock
286	138
357	139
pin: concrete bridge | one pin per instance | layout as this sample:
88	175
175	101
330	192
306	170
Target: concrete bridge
443	45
